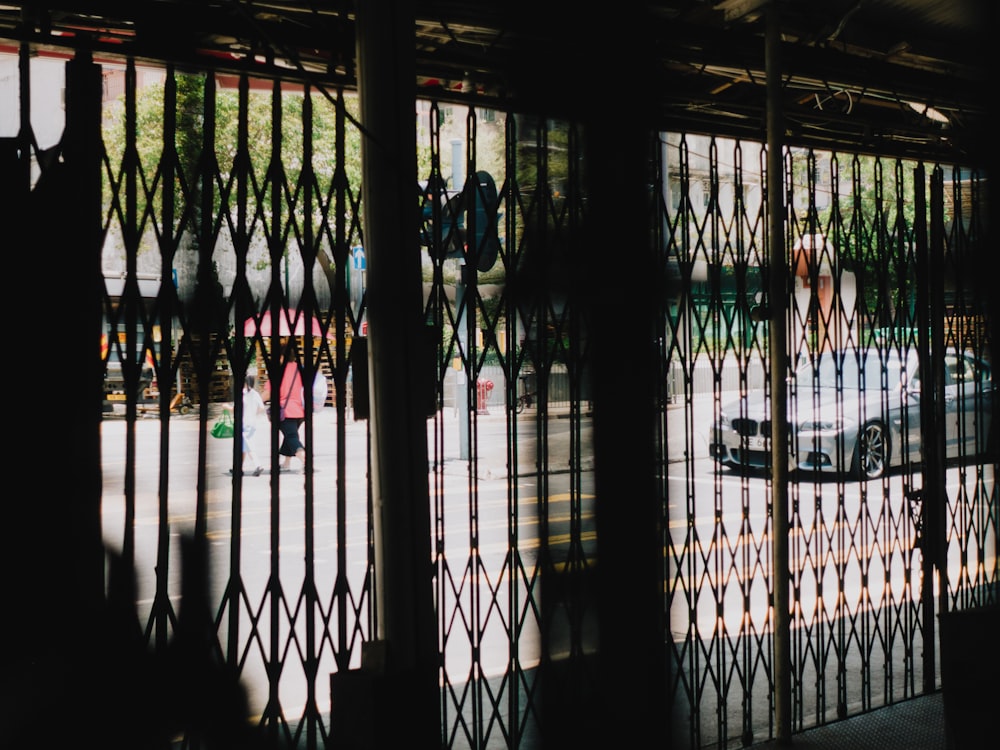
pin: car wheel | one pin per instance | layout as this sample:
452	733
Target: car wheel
871	453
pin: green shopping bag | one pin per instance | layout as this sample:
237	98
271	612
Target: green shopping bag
224	427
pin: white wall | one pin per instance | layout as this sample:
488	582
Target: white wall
47	90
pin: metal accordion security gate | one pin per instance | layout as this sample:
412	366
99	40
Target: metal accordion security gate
880	270
231	229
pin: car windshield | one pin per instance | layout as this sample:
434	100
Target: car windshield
849	371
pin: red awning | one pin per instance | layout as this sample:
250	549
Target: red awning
290	323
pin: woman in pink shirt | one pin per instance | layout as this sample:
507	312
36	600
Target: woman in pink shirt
293	409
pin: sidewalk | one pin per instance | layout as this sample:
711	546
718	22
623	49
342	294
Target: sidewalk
914	724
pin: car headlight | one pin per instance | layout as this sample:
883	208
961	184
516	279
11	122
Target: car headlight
821	425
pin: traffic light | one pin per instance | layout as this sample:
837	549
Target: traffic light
450	211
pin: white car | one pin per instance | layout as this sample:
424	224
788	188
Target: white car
858	412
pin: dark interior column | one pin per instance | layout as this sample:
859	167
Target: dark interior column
399	672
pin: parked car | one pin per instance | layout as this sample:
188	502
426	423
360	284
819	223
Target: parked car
858	413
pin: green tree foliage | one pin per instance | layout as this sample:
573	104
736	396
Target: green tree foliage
147	146
865	206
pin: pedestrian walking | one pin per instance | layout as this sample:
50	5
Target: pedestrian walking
292	407
253	408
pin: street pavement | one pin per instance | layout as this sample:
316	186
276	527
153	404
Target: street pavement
686	440
687	435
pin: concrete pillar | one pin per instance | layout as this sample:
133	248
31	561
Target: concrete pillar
73	191
54	556
629	707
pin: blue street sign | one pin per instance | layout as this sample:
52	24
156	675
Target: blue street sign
359	257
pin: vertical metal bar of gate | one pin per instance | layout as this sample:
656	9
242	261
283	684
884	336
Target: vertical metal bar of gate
128	301
340	320
309	308
938	480
203	236
779	357
168	241
467	325
279	305
931	535
242	306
